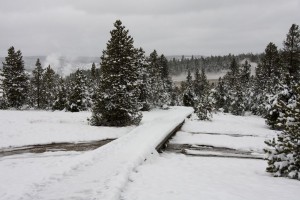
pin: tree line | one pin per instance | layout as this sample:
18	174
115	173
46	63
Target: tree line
209	63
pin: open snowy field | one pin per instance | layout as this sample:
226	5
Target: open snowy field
224	123
178	177
19	128
130	168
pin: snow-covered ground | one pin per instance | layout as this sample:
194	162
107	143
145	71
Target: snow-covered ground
178	177
244	133
97	174
224	123
246	143
172	176
130	168
20	128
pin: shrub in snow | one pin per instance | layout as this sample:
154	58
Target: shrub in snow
204	110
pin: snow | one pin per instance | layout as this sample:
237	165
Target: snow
19	171
97	174
230	124
20	128
246	143
177	177
129	168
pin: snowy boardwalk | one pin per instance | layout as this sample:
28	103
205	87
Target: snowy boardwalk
102	173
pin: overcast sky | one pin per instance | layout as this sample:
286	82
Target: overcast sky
172	27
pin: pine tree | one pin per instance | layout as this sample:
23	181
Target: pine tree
166	81
117	97
15	80
284	154
197	83
245	74
37	86
220	95
188	95
93	72
77	98
283	79
291	52
145	87
234	101
60	102
50	79
159	95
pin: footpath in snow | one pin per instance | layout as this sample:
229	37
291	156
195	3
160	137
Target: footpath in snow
101	173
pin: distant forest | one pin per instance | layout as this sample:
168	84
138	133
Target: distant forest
210	63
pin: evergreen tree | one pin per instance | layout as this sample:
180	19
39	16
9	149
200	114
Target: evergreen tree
145	87
220	95
197	83
204	108
188	95
234	101
37	87
93	72
117	97
159	86
77	98
15	80
291	52
284	79
49	81
245	74
60	96
94	82
284	154
166	80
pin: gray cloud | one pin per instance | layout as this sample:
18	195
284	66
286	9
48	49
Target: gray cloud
173	27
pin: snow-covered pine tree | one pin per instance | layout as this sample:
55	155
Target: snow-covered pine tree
158	97
288	76
93	83
291	53
203	103
145	87
77	98
50	79
197	84
117	97
246	85
220	95
60	102
234	101
188	94
37	86
15	80
166	80
93	72
284	154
